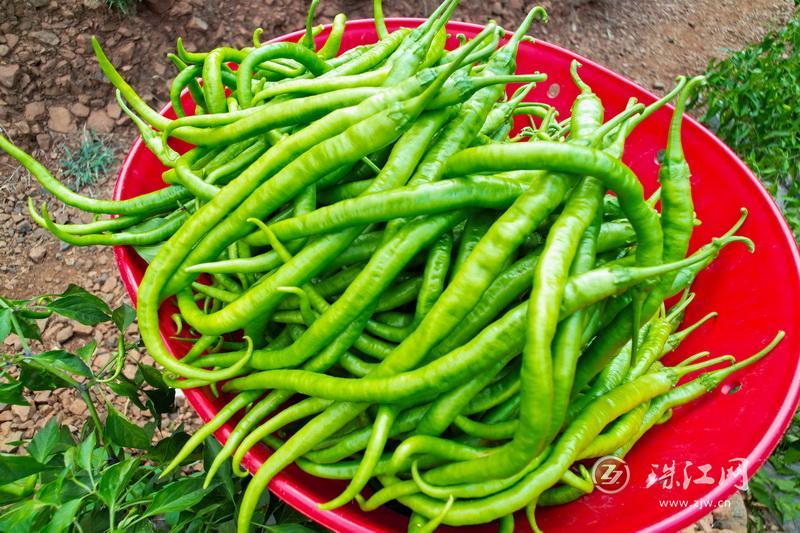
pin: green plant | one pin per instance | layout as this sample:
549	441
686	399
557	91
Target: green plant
90	161
777	485
750	102
126	7
108	476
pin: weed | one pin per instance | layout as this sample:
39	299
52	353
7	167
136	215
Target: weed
126	7
750	102
89	162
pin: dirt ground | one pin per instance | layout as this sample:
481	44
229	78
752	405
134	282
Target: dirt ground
51	89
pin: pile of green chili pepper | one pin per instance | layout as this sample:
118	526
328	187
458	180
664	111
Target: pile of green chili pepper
397	293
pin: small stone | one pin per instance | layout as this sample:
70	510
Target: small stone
38	3
82	329
11	436
76	407
43	140
8	75
13	343
79	110
196	23
45	36
705	523
92	4
37	253
64	335
21	411
109	285
41	396
52	331
159	6
6	415
113	110
61	120
34	110
11	40
180	8
100	122
658	86
125	52
4	50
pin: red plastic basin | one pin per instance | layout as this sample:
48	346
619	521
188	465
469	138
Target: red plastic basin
755	296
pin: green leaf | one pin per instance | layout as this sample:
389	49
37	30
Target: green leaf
65	362
5	323
20	488
63	517
11	392
211	448
163	400
148	252
289	528
29	328
14	467
123	316
50	492
21	517
86	351
178	496
83	458
51	439
123	432
124	387
115	479
152	376
168	447
35	378
82	306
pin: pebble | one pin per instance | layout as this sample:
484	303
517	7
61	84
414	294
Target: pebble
100	122
46	36
180	8
113	110
79	110
6	415
159	6
64	335
37	253
24	227
4	50
82	329
34	110
77	407
61	120
196	23
125	52
43	140
9	75
41	396
21	411
11	40
109	285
